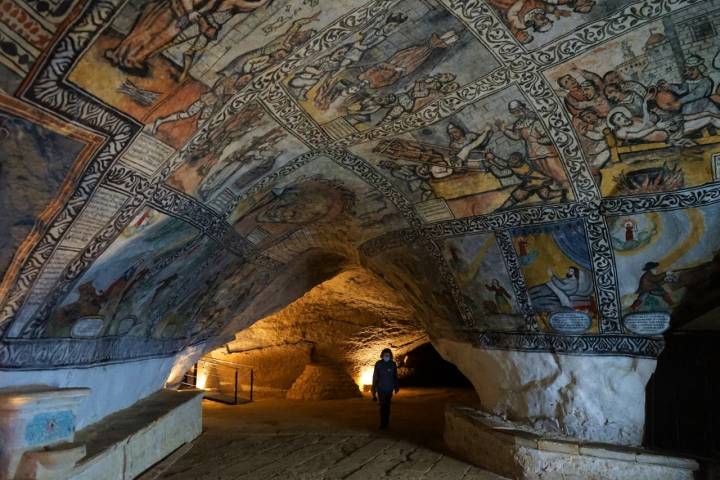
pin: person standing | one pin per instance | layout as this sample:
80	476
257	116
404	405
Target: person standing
384	383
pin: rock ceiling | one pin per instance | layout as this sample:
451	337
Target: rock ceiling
531	175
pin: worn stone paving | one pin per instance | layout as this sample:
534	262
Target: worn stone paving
323	440
307	456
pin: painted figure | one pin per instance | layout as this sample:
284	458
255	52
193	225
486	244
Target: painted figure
424	90
539	147
273	51
528	181
466	147
630	231
416	177
166	23
207	105
502	297
562	294
591	128
406	61
694	93
651	285
525	16
372	37
312	74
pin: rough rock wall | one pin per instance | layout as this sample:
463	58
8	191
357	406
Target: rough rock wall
345	321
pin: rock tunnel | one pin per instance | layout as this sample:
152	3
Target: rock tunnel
527	191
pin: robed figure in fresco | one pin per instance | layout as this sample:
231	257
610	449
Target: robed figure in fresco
562	294
404	62
165	23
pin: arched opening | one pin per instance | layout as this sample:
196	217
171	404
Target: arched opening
325	344
424	367
312	367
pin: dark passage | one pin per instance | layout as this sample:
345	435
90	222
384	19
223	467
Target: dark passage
682	399
424	367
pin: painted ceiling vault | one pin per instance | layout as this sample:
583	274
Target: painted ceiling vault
537	175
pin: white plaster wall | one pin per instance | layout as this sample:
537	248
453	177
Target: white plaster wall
113	387
592	398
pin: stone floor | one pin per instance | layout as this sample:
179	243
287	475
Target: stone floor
330	439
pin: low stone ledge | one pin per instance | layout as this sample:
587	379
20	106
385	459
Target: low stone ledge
516	452
125	444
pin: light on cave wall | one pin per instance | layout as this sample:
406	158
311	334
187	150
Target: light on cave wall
366	377
201	380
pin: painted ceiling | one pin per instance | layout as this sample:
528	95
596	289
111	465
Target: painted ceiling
535	175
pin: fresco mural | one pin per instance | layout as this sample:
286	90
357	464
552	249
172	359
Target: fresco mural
308	202
172	65
644	105
41	161
140	286
406	59
532	175
243	149
489	156
555	261
35	163
491	298
660	272
534	23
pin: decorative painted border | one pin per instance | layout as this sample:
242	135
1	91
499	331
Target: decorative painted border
694	197
43	353
91	143
591	345
517	279
76	107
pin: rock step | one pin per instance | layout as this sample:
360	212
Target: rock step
323	382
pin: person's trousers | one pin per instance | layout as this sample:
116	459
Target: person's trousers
384	401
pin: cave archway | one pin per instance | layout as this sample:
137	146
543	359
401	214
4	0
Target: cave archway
536	181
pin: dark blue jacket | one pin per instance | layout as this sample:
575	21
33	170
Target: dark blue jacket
385	376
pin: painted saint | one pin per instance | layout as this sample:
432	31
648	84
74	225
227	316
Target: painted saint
573	291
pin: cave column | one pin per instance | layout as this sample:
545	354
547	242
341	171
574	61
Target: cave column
545	412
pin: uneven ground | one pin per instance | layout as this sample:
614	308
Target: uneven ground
330	439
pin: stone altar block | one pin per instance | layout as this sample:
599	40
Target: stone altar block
35	417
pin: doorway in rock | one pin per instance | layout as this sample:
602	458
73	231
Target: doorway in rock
682	397
424	367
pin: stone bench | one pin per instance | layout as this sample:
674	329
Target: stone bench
506	449
123	445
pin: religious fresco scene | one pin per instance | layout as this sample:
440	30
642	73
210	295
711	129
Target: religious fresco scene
469	223
471	164
414	55
491	300
556	264
644	105
659	273
307	202
243	149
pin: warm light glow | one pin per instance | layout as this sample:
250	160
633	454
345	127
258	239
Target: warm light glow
366	376
201	378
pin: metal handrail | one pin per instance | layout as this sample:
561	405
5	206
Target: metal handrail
224	362
192	376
